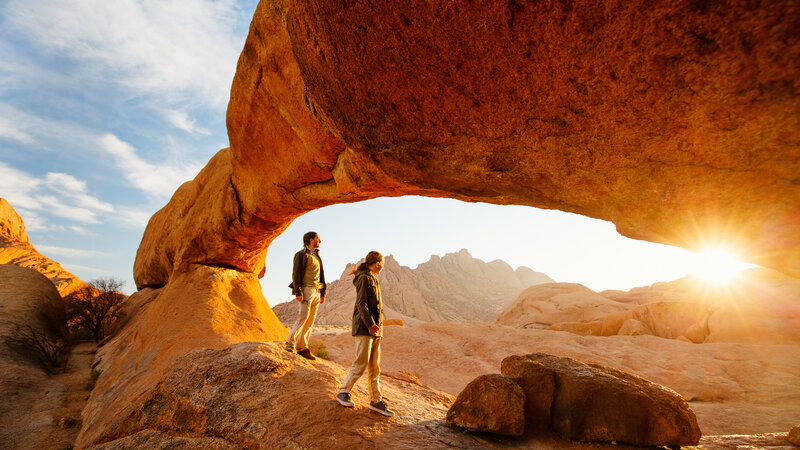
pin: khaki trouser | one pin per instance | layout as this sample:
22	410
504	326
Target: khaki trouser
368	357
305	319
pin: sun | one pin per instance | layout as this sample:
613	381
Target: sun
718	266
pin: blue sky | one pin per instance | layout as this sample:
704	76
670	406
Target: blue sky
106	107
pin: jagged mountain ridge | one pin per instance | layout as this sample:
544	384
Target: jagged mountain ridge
455	288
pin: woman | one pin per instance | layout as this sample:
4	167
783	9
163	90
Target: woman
368	331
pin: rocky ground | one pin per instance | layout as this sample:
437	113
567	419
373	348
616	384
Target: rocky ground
733	388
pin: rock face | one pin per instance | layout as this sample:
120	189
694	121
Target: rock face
594	403
684	127
256	395
29	394
455	287
759	305
794	436
544	305
492	403
15	249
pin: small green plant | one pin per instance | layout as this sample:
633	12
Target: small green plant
319	349
92	379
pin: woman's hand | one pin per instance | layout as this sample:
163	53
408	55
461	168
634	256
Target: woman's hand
373	330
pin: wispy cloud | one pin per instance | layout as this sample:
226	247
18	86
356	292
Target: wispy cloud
133	217
11	130
69	252
58	194
178	49
181	120
157	180
79	268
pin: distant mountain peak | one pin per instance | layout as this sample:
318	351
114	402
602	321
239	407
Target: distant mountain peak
455	287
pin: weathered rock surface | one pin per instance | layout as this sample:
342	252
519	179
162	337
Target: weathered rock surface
543	305
794	436
595	403
455	287
685	125
28	394
256	395
16	249
733	388
684	129
493	403
759	305
217	308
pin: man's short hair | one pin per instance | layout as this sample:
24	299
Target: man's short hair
308	237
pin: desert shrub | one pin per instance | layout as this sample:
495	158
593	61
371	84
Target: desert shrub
92	309
46	341
319	349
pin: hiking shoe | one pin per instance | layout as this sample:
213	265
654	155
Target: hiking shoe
344	399
306	353
380	407
289	348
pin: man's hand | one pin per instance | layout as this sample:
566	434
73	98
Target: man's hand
299	298
322	300
373	330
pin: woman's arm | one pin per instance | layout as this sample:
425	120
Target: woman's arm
362	299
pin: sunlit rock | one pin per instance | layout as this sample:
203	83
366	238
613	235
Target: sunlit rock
16	249
29	394
543	305
595	403
493	403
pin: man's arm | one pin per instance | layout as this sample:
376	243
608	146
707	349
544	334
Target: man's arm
297	276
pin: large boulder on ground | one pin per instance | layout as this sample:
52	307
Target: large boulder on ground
493	403
595	403
538	383
28	394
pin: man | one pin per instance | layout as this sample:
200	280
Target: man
308	287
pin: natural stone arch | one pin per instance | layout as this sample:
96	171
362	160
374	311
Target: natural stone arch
677	121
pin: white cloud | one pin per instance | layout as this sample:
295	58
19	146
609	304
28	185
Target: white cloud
178	49
58	194
79	268
158	180
180	119
76	190
133	218
69	252
11	130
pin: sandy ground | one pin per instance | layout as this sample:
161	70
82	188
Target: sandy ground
67	417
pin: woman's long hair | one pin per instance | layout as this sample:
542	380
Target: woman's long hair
372	258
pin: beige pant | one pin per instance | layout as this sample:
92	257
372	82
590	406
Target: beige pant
305	319
368	357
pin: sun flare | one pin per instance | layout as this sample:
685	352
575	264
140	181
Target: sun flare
718	266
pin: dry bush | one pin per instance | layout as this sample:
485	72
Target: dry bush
92	310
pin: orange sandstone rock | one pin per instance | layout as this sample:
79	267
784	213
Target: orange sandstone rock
16	249
675	121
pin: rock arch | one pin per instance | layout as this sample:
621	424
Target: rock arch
677	121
